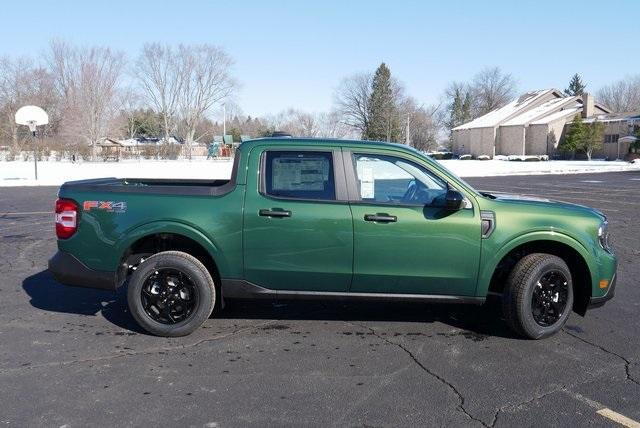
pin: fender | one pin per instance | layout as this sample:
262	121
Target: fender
174	227
486	273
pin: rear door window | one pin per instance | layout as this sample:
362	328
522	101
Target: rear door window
299	175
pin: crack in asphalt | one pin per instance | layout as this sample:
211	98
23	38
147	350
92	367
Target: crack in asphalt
627	363
461	399
562	388
148	351
501	410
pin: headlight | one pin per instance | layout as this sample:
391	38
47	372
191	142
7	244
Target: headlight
603	236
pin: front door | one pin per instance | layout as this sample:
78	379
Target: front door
404	240
298	232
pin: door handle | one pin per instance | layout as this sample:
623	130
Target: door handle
274	213
383	218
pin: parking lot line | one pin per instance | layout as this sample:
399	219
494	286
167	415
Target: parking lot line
29	213
568	189
605	411
618	418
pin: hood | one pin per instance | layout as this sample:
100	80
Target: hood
544	202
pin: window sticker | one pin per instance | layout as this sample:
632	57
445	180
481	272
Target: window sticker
367	183
300	173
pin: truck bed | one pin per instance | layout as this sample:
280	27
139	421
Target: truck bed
151	185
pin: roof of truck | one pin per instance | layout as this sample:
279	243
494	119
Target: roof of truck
295	141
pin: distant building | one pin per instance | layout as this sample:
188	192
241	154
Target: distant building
619	133
535	123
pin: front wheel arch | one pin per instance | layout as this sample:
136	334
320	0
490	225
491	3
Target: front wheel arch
575	260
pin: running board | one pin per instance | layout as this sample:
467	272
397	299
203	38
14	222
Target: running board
241	289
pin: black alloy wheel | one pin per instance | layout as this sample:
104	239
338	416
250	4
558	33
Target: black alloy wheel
169	296
549	298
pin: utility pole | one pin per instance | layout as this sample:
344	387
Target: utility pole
407	139
224	120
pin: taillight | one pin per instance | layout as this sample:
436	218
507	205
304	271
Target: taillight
66	218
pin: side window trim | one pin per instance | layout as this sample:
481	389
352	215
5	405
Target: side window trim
340	186
351	176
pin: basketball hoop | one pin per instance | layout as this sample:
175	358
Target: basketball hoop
32	116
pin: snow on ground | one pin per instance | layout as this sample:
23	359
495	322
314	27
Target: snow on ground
20	173
477	168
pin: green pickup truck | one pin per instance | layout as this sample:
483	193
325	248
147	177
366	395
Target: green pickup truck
330	219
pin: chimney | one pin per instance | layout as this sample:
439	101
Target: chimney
588	105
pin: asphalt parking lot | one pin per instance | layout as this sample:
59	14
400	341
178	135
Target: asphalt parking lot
74	357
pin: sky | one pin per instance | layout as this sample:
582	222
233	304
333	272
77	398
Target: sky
295	53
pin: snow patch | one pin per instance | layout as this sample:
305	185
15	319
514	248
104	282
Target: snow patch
20	173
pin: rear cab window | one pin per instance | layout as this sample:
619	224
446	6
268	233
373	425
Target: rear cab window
299	175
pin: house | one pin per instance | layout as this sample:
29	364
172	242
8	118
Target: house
109	149
619	133
532	124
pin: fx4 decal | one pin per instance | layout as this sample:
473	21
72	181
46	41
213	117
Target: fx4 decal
109	206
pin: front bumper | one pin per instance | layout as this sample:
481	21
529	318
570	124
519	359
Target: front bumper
68	270
596	302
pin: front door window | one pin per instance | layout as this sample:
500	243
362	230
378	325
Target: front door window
391	180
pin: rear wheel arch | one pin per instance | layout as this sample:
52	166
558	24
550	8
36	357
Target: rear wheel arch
573	255
141	246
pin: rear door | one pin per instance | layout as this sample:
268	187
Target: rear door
298	231
404	241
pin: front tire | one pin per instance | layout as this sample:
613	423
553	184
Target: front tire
538	296
171	294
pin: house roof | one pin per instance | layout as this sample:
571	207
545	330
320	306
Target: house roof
108	142
616	117
496	117
520	112
542	110
557	115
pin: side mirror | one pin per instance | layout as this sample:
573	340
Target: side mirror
454	200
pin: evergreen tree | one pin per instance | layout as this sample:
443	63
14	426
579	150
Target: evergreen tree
460	110
465	115
455	110
384	121
574	136
576	86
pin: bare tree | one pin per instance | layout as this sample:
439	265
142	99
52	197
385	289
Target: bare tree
160	75
621	96
422	124
351	100
491	89
330	125
87	80
205	79
127	121
23	82
304	124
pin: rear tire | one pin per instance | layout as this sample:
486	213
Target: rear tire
171	294
538	296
